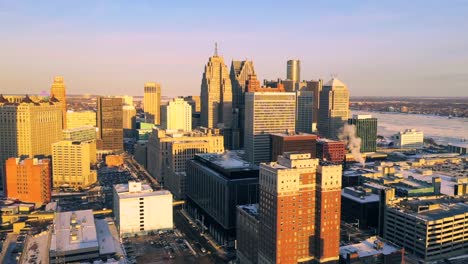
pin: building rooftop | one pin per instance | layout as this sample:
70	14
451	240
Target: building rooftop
229	165
334	82
74	230
369	247
434	208
137	189
251	209
359	196
293	134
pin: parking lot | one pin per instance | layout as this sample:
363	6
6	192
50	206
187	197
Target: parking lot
167	247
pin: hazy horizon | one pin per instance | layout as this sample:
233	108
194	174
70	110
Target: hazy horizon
395	48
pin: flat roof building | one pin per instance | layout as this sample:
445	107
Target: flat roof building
292	142
216	184
372	250
138	209
247	233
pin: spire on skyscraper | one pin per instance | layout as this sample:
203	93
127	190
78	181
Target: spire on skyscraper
216	49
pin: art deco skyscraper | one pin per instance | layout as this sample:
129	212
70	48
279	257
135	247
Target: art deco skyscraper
240	73
152	102
299	211
58	91
293	70
110	123
216	94
334	108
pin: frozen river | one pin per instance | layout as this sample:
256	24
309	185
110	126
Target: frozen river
441	129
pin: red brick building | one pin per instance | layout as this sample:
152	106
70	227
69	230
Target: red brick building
331	150
292	142
299	211
28	180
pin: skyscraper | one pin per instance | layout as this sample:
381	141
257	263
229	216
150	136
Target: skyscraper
304	110
299	211
152	102
81	118
334	108
292	142
366	129
129	117
176	115
58	91
28	128
265	113
72	163
28	180
293	70
110	124
316	88
216	94
239	75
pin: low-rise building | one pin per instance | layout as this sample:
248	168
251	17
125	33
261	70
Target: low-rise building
292	142
138	209
410	138
372	250
361	206
331	150
431	229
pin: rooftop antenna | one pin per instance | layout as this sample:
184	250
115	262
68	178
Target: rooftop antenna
216	49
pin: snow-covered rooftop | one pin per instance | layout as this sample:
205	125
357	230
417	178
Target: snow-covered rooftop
369	247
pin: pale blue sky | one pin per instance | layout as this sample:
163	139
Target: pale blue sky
114	47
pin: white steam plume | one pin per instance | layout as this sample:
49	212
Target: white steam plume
353	143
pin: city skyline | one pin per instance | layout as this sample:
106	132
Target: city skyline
364	44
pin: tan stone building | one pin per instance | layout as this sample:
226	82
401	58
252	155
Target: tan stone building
59	92
334	108
176	115
72	164
81	118
152	102
160	148
216	94
28	128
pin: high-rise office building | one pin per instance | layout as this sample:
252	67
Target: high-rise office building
239	75
366	129
84	133
129	117
28	128
304	110
176	115
216	94
72	164
299	211
28	180
194	102
81	118
160	145
58	91
334	108
292	142
110	124
265	113
216	185
316	88
293	70
152	102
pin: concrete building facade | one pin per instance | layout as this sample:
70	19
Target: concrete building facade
138	209
410	138
176	115
159	147
28	128
152	102
265	113
72	164
59	91
81	118
334	108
